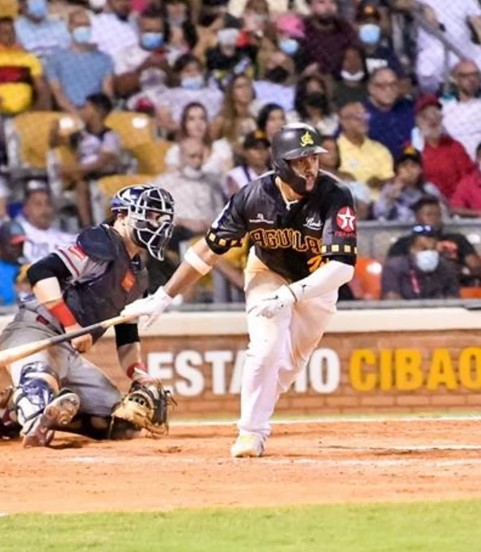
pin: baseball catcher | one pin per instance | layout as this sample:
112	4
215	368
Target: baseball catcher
74	287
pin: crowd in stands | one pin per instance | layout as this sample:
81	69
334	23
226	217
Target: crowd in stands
99	94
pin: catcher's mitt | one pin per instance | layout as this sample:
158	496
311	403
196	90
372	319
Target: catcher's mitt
146	406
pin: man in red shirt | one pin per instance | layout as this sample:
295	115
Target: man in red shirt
466	200
445	161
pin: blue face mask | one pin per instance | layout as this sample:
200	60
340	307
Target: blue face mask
151	41
37	8
370	33
289	46
193	83
82	35
428	260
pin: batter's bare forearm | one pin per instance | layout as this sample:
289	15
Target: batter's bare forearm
187	274
129	355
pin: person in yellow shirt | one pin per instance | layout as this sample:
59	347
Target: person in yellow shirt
21	83
367	160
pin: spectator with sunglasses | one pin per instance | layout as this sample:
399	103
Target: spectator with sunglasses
422	272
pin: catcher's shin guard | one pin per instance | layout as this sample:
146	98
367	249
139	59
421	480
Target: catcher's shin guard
37	387
56	415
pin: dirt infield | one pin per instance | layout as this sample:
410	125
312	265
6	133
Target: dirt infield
306	463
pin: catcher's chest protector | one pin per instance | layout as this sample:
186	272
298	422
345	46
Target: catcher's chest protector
122	282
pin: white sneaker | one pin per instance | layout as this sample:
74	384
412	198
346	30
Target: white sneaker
57	413
248	445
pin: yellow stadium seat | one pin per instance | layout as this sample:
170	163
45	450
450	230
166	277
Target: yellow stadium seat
31	133
151	157
110	185
9	8
133	128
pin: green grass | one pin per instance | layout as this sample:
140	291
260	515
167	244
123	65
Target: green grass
419	527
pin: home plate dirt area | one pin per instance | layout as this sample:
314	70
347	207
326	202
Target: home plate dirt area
326	461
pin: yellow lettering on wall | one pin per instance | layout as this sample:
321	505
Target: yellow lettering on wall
470	368
441	371
386	379
360	380
409	375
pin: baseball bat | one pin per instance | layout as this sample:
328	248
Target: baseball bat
21	351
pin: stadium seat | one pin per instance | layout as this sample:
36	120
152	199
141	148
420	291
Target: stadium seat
28	137
110	185
367	278
133	129
470	293
9	8
151	157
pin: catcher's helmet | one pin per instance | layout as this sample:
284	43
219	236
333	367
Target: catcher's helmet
291	142
150	211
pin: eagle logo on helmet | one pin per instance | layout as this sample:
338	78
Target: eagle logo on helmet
306	139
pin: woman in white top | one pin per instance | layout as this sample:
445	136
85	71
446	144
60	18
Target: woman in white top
194	124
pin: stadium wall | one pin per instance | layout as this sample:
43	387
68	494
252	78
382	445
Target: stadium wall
416	360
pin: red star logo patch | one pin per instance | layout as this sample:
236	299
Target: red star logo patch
346	219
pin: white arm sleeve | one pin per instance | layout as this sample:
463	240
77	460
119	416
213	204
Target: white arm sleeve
325	279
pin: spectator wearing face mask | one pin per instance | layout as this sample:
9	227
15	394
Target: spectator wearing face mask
377	53
312	105
113	30
351	83
422	273
75	73
278	81
191	87
454	246
226	59
290	33
141	70
37	32
327	36
197	197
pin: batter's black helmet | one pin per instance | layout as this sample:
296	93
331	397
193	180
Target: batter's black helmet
291	142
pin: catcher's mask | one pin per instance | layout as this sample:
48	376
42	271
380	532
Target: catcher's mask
293	141
150	213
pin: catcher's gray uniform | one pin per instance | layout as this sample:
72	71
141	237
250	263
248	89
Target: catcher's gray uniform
91	279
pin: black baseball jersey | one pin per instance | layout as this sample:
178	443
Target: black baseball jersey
294	241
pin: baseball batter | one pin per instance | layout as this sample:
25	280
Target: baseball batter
79	285
302	226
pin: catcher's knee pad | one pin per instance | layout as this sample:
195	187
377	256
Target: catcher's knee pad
38	385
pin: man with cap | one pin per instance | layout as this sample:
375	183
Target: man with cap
445	160
256	158
420	273
378	54
302	227
12	238
406	188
